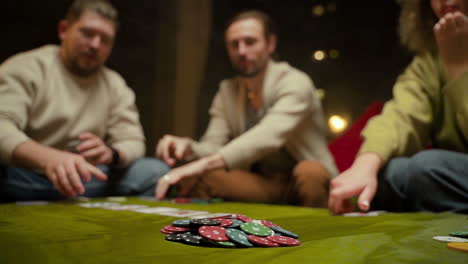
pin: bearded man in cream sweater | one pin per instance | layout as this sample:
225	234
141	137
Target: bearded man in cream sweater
69	125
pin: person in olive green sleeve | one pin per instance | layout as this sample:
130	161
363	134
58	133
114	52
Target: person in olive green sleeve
265	141
414	155
69	125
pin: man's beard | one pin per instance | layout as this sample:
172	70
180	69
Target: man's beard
77	69
250	73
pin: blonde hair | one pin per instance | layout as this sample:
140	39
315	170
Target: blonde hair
416	26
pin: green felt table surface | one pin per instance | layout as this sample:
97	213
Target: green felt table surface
66	233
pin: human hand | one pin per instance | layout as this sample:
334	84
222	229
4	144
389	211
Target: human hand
65	169
172	148
192	169
451	34
359	180
93	149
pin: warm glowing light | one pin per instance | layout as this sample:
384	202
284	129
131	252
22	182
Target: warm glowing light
334	54
337	123
319	55
318	10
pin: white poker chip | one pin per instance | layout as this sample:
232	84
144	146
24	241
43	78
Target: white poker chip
450	239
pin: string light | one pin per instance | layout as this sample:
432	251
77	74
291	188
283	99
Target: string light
319	55
318	10
337	124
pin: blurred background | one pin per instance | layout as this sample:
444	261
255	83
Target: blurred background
171	52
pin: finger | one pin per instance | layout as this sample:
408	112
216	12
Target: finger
92	153
450	22
179	151
366	197
161	189
74	179
86	136
97	173
83	171
159	148
88	144
459	19
54	179
62	180
342	191
166	153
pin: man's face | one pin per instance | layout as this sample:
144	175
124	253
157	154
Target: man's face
87	43
442	7
247	47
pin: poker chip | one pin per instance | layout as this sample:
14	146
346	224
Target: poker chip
191	239
284	240
238	237
226	222
182	223
225	244
268	223
244	218
256	229
176	228
205	222
462	234
213	232
176	237
262	241
230	231
284	232
458	246
236	223
164	231
450	239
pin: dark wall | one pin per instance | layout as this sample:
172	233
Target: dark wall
364	32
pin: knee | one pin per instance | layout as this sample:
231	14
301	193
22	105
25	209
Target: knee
148	167
308	169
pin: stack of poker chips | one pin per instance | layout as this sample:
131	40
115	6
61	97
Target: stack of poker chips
230	231
457	240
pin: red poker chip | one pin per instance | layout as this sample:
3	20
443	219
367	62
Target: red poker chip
223	216
171	228
164	231
226	222
244	218
262	241
268	223
284	240
213	232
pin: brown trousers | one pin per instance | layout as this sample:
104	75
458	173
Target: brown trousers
306	186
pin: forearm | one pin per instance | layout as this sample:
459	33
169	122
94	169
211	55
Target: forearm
31	154
370	160
213	162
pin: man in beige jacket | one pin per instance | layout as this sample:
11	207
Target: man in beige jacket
265	141
69	125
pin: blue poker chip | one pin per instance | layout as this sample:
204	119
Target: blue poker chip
182	223
284	232
238	237
236	223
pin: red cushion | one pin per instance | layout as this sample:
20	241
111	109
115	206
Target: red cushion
345	147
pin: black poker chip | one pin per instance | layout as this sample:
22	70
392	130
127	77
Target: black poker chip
176	237
205	222
189	238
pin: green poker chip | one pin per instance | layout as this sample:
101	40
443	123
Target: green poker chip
256	229
462	234
228	244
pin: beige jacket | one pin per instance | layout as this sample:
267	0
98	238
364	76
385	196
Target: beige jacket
41	100
293	119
